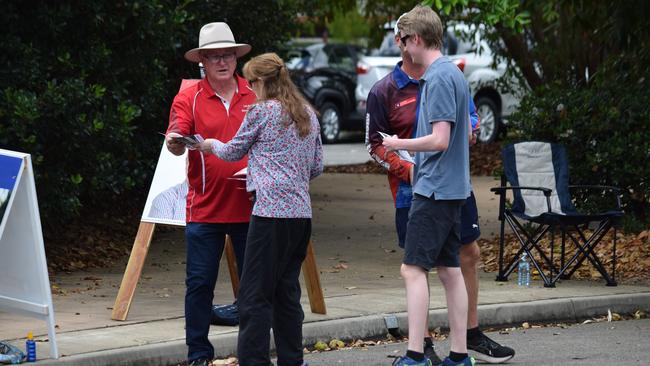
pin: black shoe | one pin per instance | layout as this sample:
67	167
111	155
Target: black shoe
201	362
485	349
430	353
225	315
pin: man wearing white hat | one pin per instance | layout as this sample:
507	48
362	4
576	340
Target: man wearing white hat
213	108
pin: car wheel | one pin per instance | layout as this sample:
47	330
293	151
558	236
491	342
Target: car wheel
490	120
330	122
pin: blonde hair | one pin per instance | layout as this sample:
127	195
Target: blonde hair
270	69
423	21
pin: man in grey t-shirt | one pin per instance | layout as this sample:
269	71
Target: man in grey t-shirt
441	185
443	174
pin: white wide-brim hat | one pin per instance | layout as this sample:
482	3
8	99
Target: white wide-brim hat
214	36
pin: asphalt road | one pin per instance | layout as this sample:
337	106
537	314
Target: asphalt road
595	344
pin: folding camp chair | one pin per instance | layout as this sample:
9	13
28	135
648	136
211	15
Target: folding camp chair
538	176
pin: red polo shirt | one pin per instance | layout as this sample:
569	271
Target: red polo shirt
212	197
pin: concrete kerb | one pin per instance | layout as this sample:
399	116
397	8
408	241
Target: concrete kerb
563	309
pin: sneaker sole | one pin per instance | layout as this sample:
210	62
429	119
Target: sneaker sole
488	359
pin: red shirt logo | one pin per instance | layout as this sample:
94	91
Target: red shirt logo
406	102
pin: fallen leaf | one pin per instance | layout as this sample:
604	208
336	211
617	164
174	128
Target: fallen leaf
231	361
320	346
336	344
609	315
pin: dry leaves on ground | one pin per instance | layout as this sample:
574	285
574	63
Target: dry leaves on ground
632	251
484	159
98	239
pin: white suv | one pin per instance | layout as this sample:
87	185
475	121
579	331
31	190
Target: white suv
493	104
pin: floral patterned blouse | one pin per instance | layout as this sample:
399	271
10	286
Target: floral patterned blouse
280	162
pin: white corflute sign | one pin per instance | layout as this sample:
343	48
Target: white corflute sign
168	192
24	281
166	202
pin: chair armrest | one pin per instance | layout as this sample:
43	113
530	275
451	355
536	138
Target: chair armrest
615	190
501	190
547	192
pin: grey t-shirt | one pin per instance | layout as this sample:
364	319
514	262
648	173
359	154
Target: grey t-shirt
444	97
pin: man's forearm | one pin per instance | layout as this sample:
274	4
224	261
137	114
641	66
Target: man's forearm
425	143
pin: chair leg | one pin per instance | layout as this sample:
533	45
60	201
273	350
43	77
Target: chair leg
552	267
527	242
613	281
500	275
563	253
532	240
586	251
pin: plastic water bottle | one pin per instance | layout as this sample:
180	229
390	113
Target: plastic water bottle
31	348
524	271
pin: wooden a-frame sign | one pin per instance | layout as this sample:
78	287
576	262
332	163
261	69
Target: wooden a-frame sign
169	182
139	254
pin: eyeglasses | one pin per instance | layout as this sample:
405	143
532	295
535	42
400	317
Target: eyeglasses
404	39
226	57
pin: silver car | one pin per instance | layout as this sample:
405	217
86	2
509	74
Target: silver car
473	55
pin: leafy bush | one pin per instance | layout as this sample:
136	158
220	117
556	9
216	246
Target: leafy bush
86	86
604	127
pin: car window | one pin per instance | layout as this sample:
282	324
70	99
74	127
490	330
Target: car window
462	39
299	59
340	57
388	46
321	59
449	44
465	46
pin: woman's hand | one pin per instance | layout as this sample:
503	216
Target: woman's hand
205	146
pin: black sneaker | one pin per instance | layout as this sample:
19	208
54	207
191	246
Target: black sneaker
485	349
201	362
430	353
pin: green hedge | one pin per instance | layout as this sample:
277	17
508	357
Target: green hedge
86	85
605	127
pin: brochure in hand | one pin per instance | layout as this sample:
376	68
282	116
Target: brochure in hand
403	154
189	140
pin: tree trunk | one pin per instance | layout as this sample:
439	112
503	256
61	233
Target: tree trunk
518	51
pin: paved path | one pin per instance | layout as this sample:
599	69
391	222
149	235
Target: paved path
345	153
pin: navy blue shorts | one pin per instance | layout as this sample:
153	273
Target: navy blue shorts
469	226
